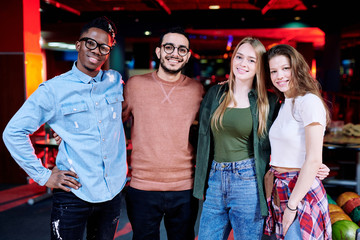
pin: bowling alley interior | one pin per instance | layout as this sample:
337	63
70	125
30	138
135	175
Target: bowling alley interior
38	43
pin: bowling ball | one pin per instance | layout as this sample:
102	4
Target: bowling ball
344	230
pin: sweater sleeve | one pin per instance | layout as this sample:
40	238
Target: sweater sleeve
126	111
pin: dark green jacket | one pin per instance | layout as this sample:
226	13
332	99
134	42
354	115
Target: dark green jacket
205	154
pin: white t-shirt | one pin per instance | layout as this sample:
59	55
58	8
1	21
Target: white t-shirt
287	134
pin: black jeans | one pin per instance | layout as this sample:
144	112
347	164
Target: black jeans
70	215
147	208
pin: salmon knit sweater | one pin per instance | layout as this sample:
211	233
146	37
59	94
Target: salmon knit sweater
162	158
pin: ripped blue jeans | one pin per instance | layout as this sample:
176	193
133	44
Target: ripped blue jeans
70	216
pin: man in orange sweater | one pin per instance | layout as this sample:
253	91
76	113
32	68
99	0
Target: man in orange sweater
163	105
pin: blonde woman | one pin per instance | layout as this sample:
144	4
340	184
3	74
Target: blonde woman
233	149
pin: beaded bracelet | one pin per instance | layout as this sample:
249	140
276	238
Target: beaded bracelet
291	209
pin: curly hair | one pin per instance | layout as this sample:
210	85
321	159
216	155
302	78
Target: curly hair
102	23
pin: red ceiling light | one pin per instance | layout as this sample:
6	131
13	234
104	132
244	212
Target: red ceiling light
296	5
118	8
63	6
274	35
163	5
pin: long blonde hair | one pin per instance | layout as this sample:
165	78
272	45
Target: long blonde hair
258	84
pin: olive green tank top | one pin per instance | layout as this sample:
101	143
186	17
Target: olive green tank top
233	142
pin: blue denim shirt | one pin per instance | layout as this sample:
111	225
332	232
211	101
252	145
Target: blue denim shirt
86	113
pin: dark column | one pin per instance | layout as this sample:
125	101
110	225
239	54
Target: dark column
307	50
117	58
331	61
141	55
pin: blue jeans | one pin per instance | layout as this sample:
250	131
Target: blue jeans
147	208
232	201
294	232
70	216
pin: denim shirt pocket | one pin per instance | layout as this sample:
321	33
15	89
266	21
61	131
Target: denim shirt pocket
76	116
114	102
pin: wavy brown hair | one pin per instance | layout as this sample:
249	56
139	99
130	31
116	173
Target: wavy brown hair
258	85
301	80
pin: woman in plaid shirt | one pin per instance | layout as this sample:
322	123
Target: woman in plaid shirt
297	201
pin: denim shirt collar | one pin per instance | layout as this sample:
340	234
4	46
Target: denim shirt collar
84	77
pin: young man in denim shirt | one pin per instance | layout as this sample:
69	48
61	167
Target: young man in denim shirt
83	106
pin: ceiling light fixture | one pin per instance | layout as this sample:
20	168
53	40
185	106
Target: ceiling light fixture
59	45
163	5
214	7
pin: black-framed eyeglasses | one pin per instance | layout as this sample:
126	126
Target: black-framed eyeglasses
92	44
170	48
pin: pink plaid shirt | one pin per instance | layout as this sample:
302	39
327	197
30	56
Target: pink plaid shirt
313	210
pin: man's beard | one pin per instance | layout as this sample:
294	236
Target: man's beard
169	70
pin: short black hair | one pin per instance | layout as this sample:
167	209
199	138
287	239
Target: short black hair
102	23
176	29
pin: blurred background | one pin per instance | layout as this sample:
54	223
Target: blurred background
38	37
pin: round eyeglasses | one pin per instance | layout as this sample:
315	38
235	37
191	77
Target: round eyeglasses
93	44
169	49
